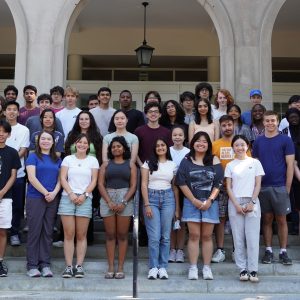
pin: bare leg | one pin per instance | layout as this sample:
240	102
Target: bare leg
122	236
110	232
207	243
181	236
69	234
282	230
193	243
267	228
3	242
220	233
82	224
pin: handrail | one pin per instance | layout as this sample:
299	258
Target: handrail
135	237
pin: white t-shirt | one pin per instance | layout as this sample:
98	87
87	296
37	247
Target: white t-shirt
161	179
284	123
243	173
102	118
178	155
68	118
19	138
79	172
217	114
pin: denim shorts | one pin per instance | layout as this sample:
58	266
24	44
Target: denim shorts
116	195
68	208
191	213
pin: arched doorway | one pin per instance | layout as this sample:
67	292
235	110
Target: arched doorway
105	34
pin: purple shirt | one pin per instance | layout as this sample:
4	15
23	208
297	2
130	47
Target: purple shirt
25	113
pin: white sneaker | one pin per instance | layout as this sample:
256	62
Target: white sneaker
34	273
207	274
58	244
152	274
46	272
162	273
14	240
172	256
193	273
179	256
219	256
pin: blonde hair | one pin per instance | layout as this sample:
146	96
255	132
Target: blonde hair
71	90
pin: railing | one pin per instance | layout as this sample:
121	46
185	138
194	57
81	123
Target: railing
135	237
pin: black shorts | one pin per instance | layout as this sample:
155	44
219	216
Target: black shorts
275	200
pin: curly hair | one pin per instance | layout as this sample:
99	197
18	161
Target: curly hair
93	135
228	96
122	141
165	119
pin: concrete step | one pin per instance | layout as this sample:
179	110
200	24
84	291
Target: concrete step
99	267
176	284
98	251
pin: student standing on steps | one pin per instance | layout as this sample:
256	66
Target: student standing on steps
43	168
243	180
276	153
9	164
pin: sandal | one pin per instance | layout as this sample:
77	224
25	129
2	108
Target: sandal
119	275
109	275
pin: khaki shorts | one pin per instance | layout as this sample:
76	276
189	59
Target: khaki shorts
116	195
5	213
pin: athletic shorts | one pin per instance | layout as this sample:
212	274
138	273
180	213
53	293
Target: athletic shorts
275	200
5	213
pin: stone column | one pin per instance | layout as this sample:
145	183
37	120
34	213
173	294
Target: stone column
41	41
213	68
74	67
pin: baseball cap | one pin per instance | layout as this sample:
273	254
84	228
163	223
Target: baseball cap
255	92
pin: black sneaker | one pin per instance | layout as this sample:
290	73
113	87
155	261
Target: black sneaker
253	277
78	272
244	276
284	259
268	257
3	269
68	272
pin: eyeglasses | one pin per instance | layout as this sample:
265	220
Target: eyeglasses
153	112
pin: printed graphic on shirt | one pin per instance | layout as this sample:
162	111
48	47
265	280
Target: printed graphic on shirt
202	180
226	153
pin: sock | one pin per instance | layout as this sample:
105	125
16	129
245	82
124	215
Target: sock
206	267
269	249
282	250
193	266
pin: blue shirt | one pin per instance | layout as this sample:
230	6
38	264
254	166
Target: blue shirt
246	117
46	171
272	153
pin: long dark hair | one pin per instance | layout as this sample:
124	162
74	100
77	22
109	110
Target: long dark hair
43	115
208	157
122	141
38	150
239	110
153	161
93	135
197	114
165	119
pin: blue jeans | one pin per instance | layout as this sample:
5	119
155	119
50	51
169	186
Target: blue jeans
162	203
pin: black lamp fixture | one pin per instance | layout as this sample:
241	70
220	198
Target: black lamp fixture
144	52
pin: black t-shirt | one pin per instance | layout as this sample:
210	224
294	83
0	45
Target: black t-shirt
135	120
200	179
9	160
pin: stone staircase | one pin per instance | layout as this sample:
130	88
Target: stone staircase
276	281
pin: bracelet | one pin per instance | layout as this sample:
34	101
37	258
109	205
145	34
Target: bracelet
124	202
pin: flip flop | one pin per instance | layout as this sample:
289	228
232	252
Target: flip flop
119	275
109	275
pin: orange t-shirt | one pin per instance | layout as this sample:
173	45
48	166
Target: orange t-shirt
223	150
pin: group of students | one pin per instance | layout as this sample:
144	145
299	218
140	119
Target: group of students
196	167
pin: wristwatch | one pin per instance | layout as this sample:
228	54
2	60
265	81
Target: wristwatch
86	194
253	201
124	202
